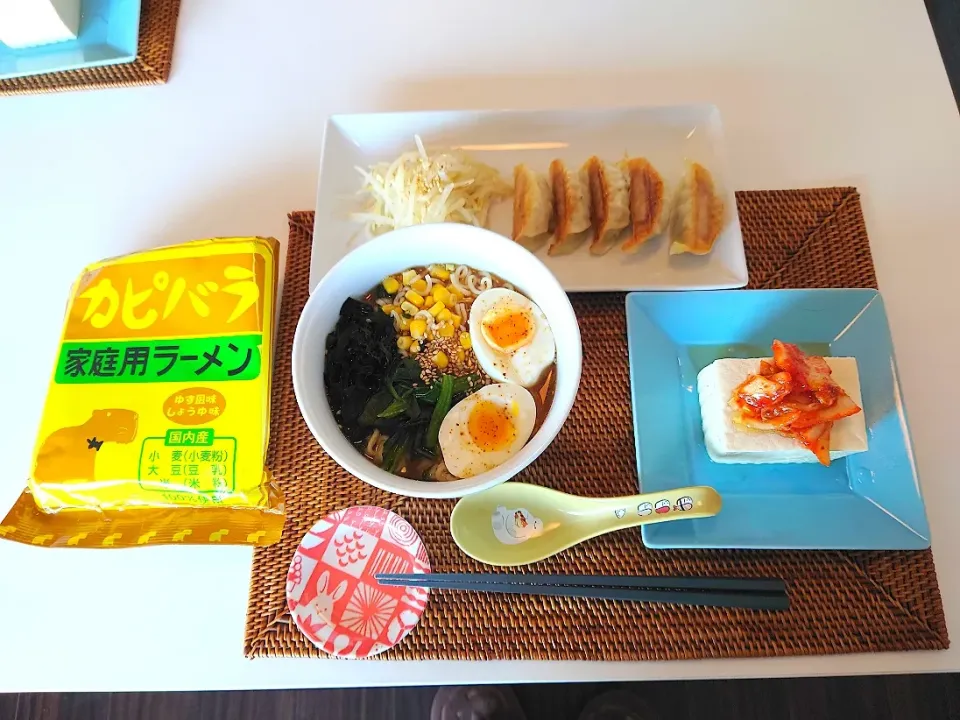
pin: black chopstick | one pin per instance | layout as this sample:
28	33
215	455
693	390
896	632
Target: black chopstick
749	593
651	582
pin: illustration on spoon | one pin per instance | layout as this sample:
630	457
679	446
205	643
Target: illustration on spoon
515	526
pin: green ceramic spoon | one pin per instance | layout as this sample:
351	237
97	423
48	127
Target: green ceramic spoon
516	524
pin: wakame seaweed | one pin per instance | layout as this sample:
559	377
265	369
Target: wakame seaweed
370	386
361	354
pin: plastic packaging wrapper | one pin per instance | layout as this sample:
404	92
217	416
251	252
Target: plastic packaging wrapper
157	417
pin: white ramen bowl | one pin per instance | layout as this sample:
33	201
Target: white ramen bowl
399	250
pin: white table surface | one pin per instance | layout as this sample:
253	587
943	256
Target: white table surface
813	92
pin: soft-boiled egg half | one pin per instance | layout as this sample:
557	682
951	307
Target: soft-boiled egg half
511	337
486	428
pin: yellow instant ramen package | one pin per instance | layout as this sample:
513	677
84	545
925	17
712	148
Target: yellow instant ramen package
157	418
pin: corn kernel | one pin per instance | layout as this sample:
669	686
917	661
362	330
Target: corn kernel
409	308
455	294
404	324
444	315
461	355
409	276
441	294
415	348
420	286
391	285
414	297
435	310
441	360
404	342
429	334
418	328
439	272
465	341
455	319
447	330
387	309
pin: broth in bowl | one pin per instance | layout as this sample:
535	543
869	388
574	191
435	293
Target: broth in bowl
440	372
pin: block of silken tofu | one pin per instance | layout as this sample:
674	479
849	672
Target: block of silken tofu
728	442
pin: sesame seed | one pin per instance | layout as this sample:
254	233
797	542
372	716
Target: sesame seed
449	346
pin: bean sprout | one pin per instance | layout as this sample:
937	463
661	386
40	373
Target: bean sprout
429	281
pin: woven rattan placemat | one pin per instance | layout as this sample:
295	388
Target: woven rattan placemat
158	27
841	602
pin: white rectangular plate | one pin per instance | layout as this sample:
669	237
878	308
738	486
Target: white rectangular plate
667	136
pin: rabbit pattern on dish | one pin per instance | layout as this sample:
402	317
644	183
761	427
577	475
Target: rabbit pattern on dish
332	593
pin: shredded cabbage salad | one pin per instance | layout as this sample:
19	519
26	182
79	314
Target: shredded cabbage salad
419	188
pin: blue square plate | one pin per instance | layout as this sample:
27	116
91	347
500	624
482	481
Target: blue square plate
870	500
108	36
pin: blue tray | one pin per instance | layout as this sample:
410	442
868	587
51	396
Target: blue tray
869	500
108	36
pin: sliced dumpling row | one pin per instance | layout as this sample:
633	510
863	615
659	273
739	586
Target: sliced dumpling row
621	203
